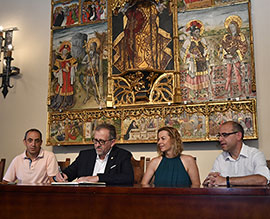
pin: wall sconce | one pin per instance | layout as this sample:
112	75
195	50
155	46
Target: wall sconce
6	49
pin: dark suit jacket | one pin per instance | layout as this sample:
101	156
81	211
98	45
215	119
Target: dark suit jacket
118	170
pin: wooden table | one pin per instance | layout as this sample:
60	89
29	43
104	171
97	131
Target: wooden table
46	201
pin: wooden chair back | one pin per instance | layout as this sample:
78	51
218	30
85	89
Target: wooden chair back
268	164
147	161
64	164
2	168
138	169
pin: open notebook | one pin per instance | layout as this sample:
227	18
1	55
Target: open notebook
79	183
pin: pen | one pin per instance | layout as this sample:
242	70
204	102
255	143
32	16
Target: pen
60	171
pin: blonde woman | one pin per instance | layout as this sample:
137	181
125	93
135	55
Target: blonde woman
171	168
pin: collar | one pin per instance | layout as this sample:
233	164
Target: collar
106	156
243	153
40	155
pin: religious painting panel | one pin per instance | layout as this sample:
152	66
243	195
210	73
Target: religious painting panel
79	68
93	123
243	114
77	127
66	132
142	65
192	127
193	4
228	2
142	53
216	54
195	122
141	128
65	13
93	11
186	5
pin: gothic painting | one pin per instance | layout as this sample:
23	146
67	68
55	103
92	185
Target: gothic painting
142	69
79	68
65	13
193	4
142	128
216	54
243	117
228	2
92	124
141	65
93	11
66	131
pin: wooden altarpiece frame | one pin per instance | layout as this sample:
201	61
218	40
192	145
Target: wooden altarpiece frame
139	95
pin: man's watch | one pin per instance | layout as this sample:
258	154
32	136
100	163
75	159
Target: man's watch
54	179
228	181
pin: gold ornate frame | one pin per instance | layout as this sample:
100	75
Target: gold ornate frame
199	122
137	119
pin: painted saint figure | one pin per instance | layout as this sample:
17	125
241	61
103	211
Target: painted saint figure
142	44
92	60
64	70
195	53
132	125
233	48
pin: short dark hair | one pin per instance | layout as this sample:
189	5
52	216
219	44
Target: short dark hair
109	127
32	130
236	127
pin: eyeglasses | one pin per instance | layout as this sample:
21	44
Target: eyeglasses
100	141
224	134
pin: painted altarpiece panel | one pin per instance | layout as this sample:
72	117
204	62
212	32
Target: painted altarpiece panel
223	69
104	68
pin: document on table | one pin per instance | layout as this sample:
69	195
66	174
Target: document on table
79	183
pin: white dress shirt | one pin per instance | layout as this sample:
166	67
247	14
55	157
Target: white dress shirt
250	161
100	165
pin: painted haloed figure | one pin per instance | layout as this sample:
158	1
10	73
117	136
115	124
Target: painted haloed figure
233	48
64	70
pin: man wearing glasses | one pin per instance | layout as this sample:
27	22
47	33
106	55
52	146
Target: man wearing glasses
238	164
105	163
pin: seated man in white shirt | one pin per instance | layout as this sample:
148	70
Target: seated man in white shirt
104	163
238	164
